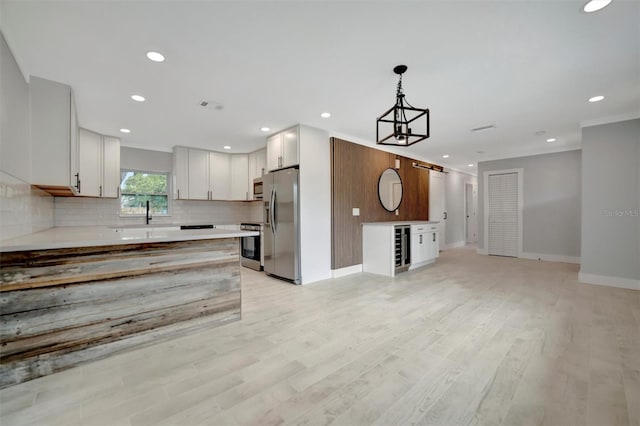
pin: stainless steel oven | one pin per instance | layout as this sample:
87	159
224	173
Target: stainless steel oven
252	248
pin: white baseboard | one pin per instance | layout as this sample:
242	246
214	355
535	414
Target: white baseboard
482	251
550	257
342	272
455	245
421	264
619	282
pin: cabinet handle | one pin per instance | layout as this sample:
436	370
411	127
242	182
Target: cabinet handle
118	192
420	238
178	194
434	237
101	190
77	175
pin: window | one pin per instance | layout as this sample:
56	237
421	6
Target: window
136	188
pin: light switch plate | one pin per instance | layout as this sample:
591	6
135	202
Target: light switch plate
397	212
355	211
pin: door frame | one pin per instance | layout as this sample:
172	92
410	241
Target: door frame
485	207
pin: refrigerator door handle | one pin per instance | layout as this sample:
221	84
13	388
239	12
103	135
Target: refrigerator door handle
275	212
271	212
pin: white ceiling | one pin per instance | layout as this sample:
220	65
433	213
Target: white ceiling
524	66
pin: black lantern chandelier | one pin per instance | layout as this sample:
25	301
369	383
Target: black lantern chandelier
402	124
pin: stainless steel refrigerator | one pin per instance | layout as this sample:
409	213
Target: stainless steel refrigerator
282	224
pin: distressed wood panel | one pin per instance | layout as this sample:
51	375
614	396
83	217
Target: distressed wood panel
61	308
355	170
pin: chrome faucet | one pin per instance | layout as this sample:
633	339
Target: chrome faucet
148	214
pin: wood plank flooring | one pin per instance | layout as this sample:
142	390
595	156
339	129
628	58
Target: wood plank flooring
470	340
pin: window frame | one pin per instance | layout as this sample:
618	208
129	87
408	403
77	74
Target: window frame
169	200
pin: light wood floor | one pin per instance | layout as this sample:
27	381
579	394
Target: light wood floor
470	340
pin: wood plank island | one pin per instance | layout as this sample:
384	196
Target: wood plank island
63	307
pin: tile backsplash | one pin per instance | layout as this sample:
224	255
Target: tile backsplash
23	209
80	211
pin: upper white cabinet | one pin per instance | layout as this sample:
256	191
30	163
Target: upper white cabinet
219	176
239	183
99	164
90	145
198	172
110	167
180	173
54	137
282	149
206	175
257	167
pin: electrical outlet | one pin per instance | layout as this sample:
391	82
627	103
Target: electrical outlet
355	211
398	212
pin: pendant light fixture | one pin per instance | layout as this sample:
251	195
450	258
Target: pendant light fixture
402	124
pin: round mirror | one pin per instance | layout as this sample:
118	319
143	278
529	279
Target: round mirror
390	189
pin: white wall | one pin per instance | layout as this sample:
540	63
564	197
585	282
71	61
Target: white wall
455	207
23	209
552	209
315	205
611	204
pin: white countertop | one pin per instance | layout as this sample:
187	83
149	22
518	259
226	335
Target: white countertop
401	222
87	236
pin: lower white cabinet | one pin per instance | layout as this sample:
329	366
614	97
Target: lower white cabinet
392	247
424	244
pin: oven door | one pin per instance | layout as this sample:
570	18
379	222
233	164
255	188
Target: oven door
250	252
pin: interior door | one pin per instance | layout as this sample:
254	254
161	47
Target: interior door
437	200
503	214
471	206
286	224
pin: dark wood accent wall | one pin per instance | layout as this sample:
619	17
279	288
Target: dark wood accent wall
355	170
61	308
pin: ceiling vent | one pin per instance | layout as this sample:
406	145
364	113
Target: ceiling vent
483	128
211	105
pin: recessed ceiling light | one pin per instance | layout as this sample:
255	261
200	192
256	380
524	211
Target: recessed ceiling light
470	165
596	98
138	98
226	147
125	130
155	56
595	5
445	156
551	140
264	129
325	115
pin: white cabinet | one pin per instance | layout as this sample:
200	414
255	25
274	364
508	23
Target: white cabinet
110	167
282	149
99	164
90	145
424	244
240	177
257	167
198	172
180	173
219	176
54	137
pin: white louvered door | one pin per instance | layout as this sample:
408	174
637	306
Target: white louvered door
503	214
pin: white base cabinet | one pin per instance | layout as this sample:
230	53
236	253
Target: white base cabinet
390	247
424	244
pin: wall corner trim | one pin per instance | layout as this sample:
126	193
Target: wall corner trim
551	257
348	270
604	280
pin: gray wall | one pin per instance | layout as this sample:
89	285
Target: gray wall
145	160
454	206
611	200
552	207
15	143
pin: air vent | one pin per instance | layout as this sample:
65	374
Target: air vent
483	128
211	105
